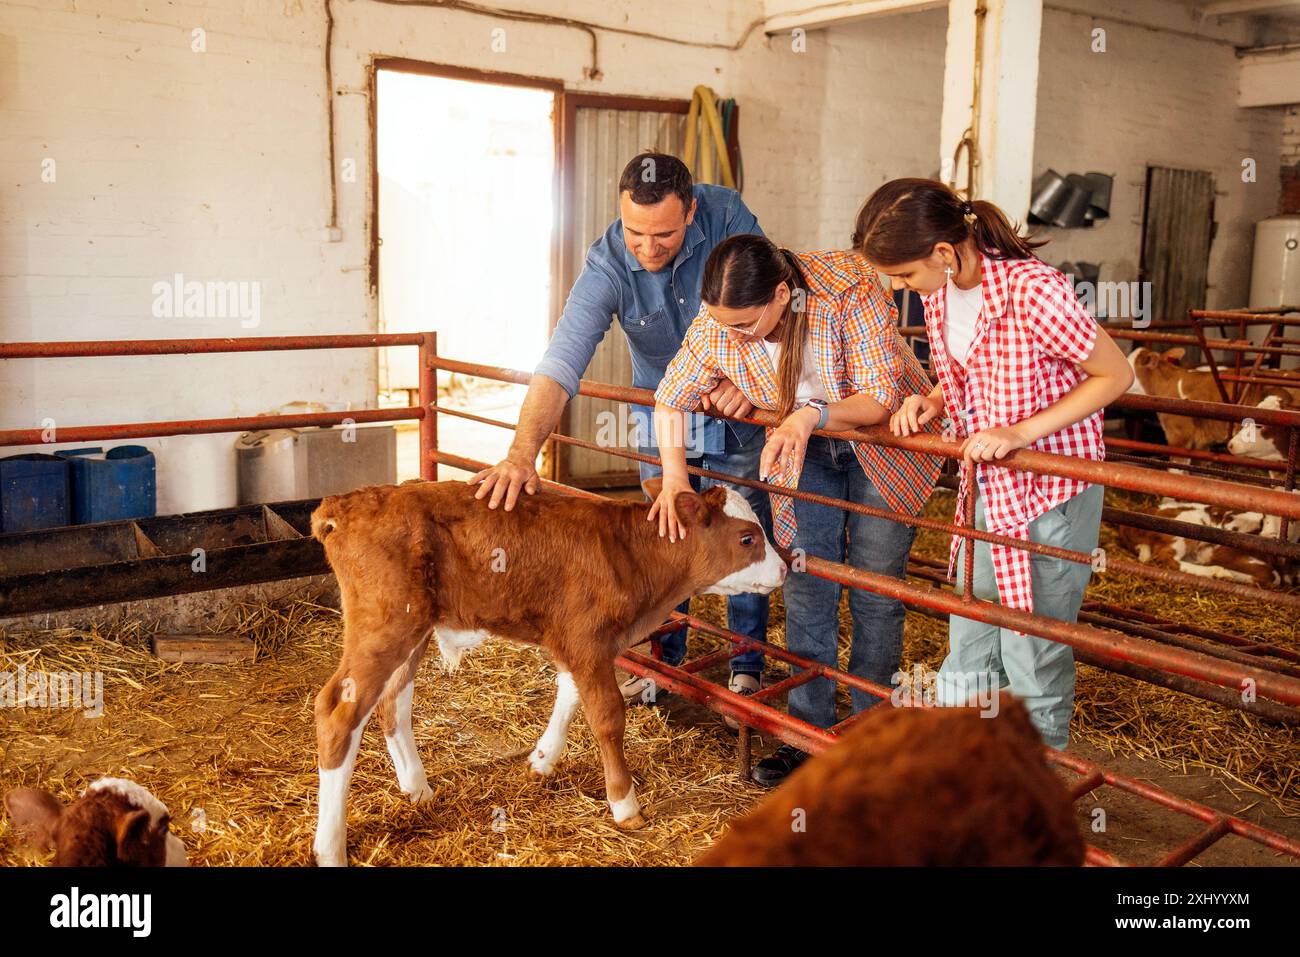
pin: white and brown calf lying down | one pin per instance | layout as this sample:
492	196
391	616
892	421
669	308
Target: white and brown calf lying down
915	787
583	579
1204	558
115	823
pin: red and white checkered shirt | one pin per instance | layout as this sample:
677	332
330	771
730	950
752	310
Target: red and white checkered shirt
1030	337
853	324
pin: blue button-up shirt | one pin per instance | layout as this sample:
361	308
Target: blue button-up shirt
654	308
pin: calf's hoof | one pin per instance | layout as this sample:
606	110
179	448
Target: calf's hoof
540	765
329	856
634	823
420	794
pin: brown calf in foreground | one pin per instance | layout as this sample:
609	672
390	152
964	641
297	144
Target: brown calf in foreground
583	579
115	823
915	787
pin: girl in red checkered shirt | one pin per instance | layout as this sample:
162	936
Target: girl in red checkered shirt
1020	364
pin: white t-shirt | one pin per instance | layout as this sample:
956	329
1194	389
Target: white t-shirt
960	315
810	382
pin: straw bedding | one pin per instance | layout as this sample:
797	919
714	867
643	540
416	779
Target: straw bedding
231	749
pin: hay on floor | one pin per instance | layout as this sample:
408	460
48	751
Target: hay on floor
231	748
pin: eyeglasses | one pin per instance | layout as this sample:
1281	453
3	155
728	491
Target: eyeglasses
749	329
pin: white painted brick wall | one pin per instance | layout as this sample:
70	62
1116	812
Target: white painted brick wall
1290	154
213	165
1159	98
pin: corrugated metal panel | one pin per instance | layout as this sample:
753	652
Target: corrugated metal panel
604	141
1176	239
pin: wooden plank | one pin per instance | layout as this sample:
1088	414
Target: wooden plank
190	648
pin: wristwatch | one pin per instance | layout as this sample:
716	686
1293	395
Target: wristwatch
823	411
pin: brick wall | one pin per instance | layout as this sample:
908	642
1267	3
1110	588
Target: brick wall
130	157
1154	97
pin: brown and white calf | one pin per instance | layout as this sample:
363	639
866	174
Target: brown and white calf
1265	441
583	579
956	786
115	823
1204	558
1161	374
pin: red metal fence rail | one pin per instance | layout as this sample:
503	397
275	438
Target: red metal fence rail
426	341
756	712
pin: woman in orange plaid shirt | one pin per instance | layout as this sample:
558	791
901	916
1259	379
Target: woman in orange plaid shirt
814	337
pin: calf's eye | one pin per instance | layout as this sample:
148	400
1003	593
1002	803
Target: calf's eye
747	540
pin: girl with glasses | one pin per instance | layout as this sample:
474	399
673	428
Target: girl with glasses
814	337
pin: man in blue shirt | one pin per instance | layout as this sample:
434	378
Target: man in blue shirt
646	270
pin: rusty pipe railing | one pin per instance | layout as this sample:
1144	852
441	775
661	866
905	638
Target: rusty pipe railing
966	530
425	341
761	715
1105	644
1112	475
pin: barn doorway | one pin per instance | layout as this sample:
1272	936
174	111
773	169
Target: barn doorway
466	214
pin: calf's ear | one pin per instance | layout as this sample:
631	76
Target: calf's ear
653	486
131	831
693	510
35	814
716	496
1175	356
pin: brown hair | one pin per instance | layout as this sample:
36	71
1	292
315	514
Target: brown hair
905	219
743	271
651	177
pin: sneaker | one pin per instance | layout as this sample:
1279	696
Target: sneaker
638	690
740	683
774	769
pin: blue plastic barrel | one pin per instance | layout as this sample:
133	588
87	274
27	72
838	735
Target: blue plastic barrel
120	485
35	492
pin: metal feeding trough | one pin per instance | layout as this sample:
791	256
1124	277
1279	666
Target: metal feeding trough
81	565
1073	201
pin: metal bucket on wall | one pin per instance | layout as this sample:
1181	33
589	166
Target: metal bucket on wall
1070	214
1049	195
1101	185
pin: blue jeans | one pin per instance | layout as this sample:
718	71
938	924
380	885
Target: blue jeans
812	621
746	614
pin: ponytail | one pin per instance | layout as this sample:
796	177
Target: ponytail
794	336
905	219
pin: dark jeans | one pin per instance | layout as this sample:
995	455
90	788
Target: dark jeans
812	627
746	614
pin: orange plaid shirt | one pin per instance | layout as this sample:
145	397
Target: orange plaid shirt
854	329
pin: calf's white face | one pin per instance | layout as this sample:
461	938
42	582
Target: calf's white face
762	576
1251	441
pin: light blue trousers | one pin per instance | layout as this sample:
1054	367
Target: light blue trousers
984	657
